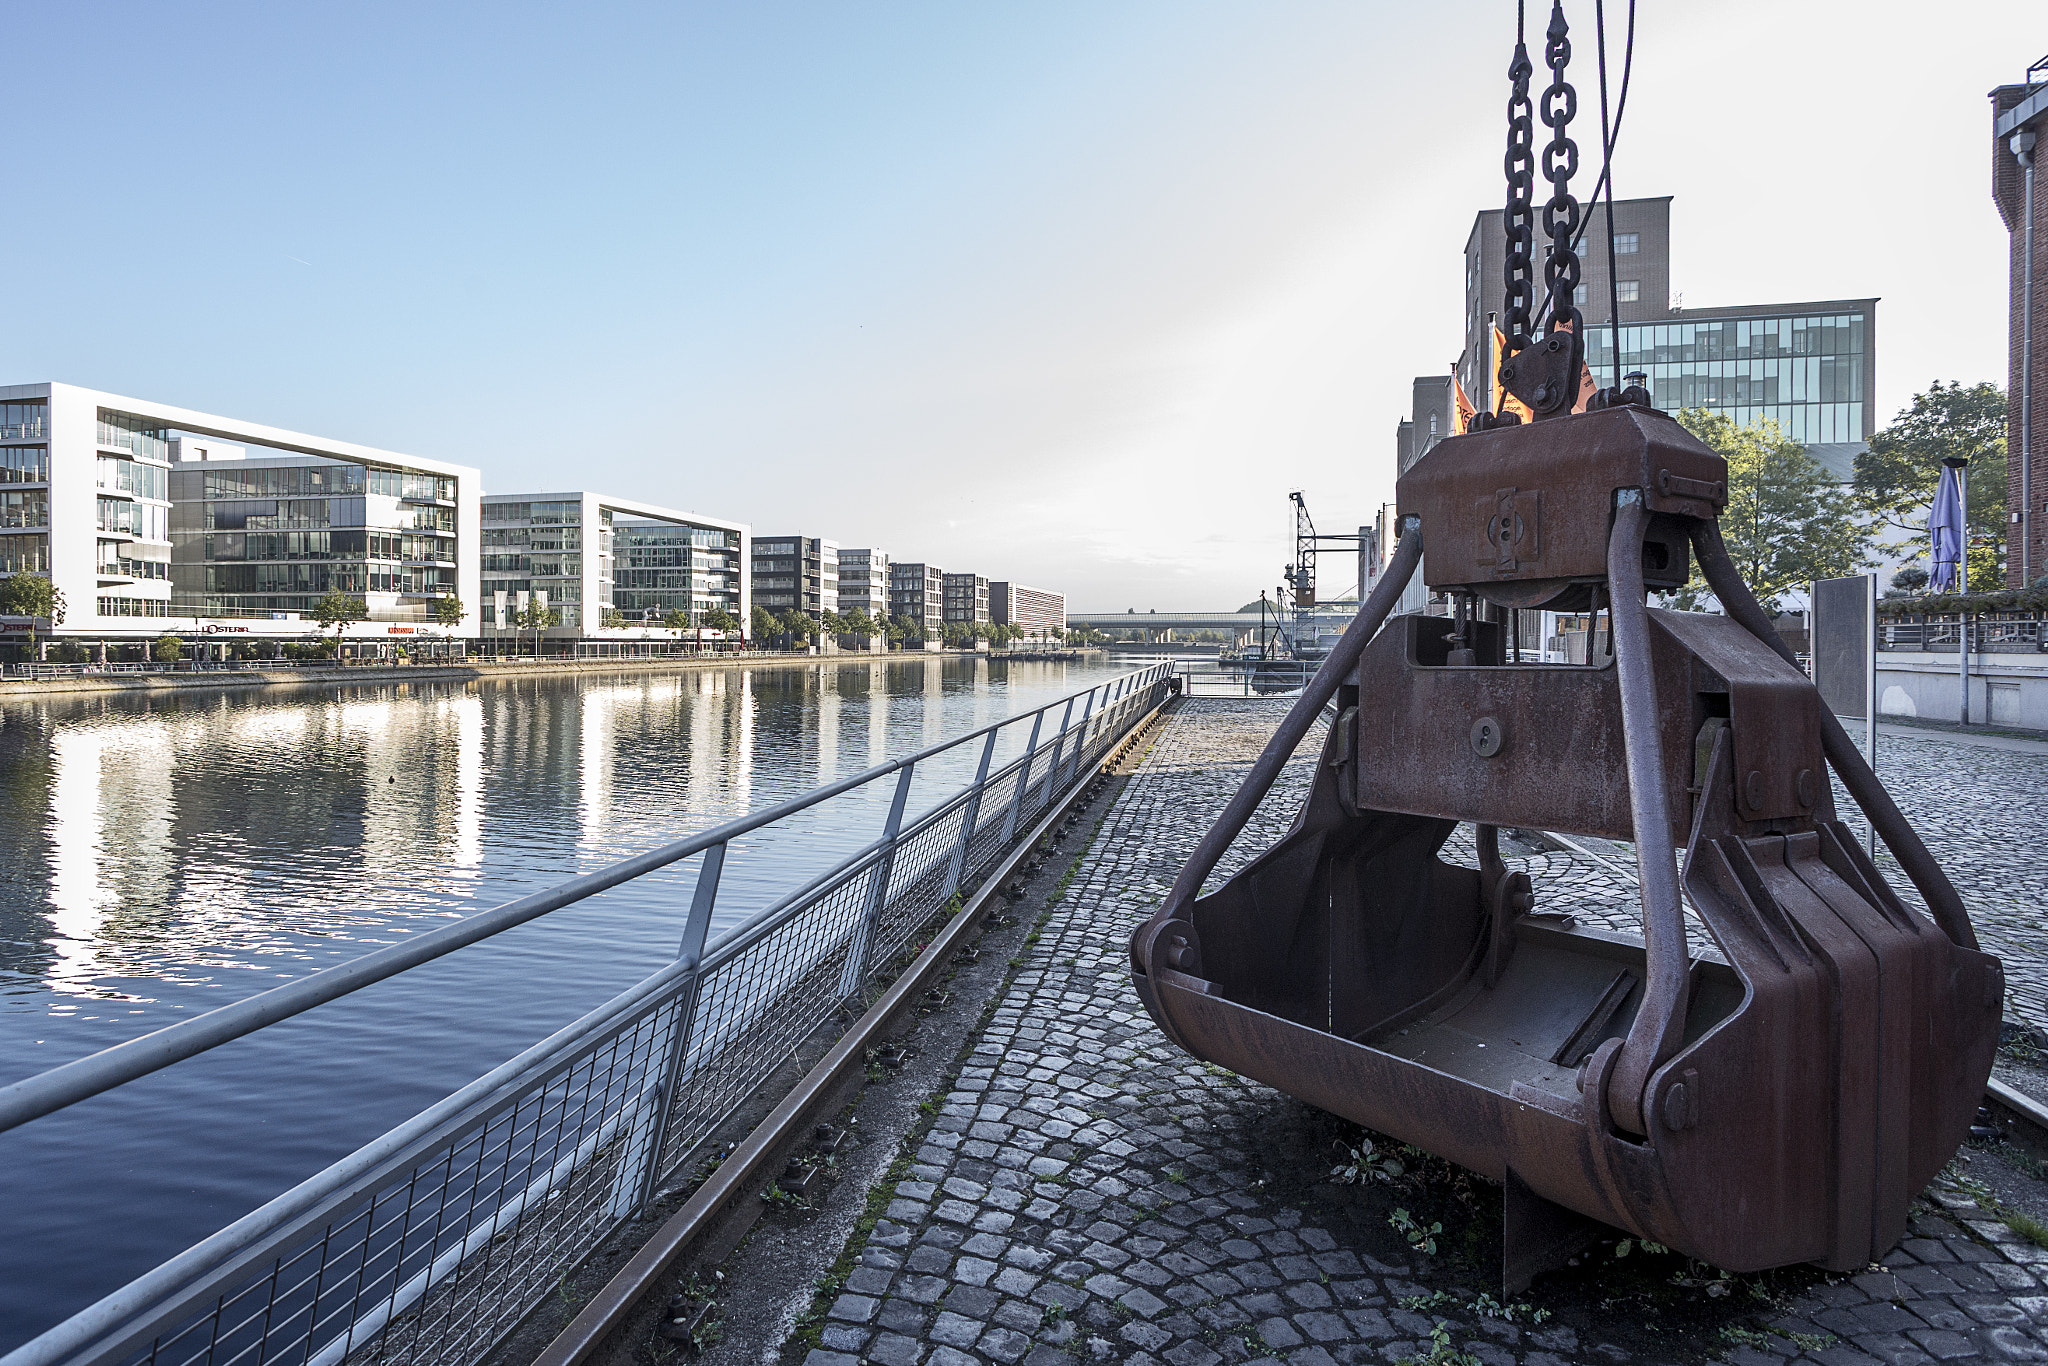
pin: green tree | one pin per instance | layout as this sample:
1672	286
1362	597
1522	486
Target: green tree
798	627
35	596
835	625
1786	522
336	611
718	619
859	623
676	620
1896	477
765	624
168	650
448	611
611	619
536	618
904	628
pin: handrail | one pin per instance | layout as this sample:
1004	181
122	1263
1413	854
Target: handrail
69	1083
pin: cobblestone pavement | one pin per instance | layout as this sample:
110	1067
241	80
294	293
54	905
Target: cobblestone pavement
1087	1193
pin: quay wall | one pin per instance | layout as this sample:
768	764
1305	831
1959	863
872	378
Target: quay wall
331	675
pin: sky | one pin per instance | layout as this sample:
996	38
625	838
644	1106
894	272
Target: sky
1071	294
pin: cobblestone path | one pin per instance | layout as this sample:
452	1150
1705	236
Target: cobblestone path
1088	1193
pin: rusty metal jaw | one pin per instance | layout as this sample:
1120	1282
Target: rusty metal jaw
1660	1019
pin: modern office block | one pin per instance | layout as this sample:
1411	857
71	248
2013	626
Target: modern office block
799	573
592	554
918	591
864	581
1811	367
965	600
1038	612
153	519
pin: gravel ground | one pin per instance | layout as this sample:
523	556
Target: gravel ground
1079	1190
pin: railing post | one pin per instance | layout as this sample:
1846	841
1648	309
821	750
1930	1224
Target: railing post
641	1167
1081	743
1023	779
1059	753
855	970
968	816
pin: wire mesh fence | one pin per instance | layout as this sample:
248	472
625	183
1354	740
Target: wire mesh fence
432	1243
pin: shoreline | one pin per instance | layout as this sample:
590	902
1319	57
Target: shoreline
334	675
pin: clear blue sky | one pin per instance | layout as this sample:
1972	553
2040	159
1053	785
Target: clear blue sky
1066	293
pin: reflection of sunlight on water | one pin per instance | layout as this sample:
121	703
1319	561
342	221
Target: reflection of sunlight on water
109	828
468	854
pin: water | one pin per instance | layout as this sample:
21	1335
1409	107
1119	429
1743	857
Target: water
160	857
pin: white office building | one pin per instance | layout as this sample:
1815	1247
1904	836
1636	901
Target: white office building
155	520
612	568
864	582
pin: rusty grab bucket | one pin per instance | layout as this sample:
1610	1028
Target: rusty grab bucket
1772	1088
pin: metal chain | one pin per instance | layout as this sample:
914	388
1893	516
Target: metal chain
1560	163
1518	262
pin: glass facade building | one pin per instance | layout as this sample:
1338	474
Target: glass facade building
666	567
1810	367
271	534
606	564
1809	373
151	519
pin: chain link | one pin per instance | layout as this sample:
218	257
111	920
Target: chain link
1560	163
1518	262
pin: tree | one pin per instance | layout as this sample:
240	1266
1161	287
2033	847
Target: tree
1896	477
904	628
448	611
611	619
1911	579
718	619
798	627
336	611
1786	522
765	624
859	623
35	596
676	620
536	618
168	650
835	625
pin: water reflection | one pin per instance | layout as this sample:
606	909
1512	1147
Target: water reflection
162	856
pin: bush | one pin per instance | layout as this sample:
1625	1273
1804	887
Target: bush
168	650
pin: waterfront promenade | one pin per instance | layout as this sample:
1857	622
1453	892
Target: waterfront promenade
1073	1188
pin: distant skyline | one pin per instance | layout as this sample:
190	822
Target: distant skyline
1069	294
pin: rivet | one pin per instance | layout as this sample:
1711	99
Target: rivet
1753	791
1808	792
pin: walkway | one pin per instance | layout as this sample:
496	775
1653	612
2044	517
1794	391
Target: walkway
1082	1191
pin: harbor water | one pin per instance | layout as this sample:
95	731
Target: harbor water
165	855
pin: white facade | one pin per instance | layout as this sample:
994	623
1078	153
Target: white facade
135	558
583	553
864	582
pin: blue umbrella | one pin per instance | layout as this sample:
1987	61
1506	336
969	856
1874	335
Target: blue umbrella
1945	529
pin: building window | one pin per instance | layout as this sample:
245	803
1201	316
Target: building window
1579	295
1629	291
29	554
24	464
26	507
1626	243
30	419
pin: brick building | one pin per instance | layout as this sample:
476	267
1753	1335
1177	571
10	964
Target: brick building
2019	131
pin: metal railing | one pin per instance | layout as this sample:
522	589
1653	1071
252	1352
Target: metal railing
1245	677
1990	633
431	1243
